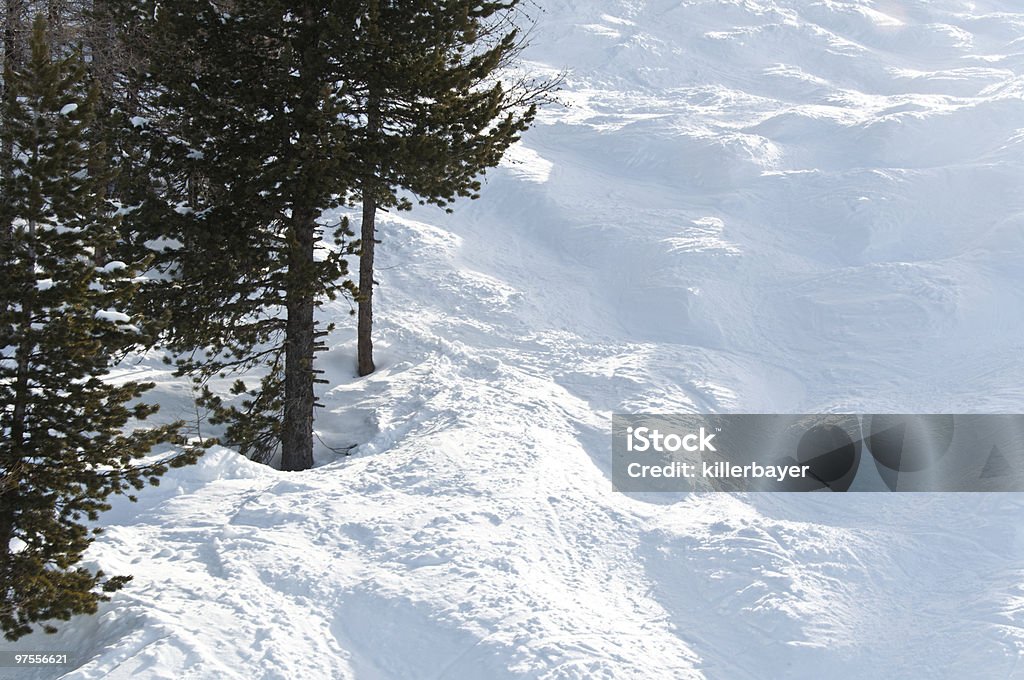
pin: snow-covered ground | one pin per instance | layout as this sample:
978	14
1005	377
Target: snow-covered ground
744	206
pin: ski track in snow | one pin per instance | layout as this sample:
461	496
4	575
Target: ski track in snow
745	206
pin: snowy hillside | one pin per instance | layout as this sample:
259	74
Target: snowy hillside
744	206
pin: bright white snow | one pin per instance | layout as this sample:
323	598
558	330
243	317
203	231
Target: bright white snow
748	206
113	315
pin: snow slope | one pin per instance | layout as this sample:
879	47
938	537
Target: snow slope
746	206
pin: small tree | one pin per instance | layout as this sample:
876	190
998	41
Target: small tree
433	112
64	447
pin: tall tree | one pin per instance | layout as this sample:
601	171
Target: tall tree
426	82
260	117
65	444
245	128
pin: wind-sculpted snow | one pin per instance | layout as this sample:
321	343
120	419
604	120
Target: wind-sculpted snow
746	206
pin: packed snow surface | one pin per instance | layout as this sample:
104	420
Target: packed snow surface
742	206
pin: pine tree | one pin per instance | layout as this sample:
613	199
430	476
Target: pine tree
244	125
65	446
433	112
261	116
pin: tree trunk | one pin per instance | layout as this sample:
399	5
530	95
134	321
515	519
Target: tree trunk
300	279
55	22
297	428
6	534
367	237
26	344
15	32
23	356
15	39
19	415
367	241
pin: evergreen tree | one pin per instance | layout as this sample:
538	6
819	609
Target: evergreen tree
432	111
261	116
244	123
64	442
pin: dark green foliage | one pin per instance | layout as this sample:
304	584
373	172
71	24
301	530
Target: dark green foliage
256	118
64	446
424	75
246	147
254	425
